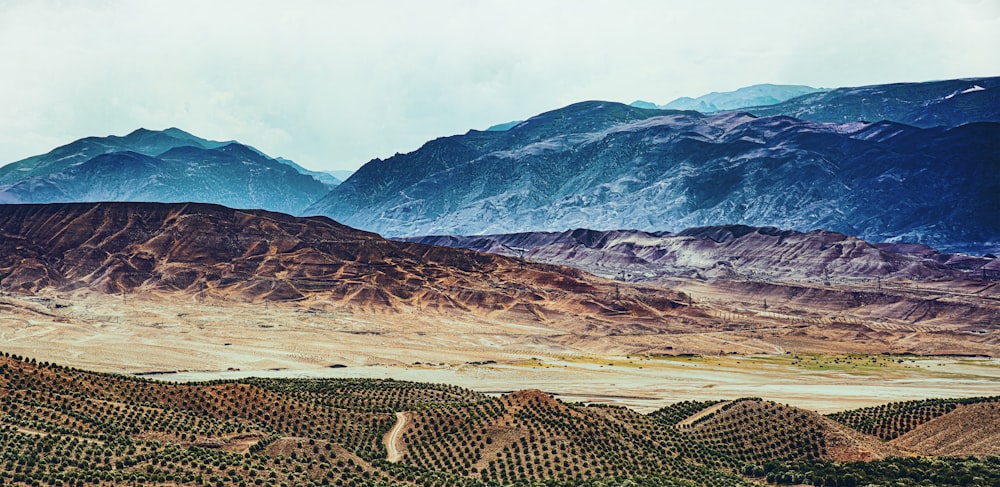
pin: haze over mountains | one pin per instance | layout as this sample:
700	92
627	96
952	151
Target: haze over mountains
166	166
603	165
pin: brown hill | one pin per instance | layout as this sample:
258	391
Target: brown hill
204	250
725	252
793	275
968	430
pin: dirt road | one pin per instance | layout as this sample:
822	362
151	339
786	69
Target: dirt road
393	438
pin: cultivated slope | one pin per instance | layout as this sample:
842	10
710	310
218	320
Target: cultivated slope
62	426
603	165
760	431
941	427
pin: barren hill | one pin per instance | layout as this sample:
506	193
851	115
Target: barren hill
253	255
428	300
724	252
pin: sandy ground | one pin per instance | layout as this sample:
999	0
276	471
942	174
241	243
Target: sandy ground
182	339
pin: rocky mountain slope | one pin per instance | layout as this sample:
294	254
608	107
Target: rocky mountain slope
162	166
730	251
947	103
609	166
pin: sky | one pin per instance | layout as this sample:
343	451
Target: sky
333	84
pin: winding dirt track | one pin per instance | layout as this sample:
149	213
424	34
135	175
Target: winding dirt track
701	414
393	437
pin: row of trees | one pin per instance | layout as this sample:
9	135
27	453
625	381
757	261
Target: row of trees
917	471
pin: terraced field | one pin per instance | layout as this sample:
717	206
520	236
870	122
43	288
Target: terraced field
61	426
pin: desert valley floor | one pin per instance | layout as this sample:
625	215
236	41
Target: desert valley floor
811	363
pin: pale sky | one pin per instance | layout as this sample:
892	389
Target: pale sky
333	84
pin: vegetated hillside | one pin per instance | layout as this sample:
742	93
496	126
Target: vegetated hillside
729	251
248	255
312	432
947	103
61	426
748	96
530	435
680	411
162	166
603	165
757	431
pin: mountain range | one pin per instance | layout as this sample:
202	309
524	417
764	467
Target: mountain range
604	166
166	166
906	162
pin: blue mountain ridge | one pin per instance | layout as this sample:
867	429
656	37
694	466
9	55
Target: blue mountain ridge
605	166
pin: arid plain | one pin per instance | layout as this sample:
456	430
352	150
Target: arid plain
711	351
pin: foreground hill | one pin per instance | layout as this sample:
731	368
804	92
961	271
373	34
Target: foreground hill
162	166
604	165
762	431
972	429
62	426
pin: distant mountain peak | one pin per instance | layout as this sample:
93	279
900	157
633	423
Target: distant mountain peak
748	96
177	132
503	127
